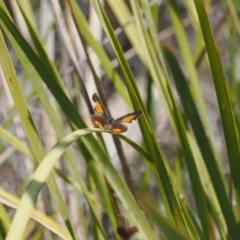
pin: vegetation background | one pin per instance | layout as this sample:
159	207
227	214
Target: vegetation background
174	174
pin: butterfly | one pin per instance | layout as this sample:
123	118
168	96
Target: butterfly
101	118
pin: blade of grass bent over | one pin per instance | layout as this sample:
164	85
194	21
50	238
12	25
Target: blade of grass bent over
42	173
40	176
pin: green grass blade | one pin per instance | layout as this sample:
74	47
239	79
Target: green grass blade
165	227
203	141
12	140
4	222
125	18
225	107
187	57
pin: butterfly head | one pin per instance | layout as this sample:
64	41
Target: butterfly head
110	120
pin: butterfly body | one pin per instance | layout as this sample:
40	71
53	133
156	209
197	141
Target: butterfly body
101	118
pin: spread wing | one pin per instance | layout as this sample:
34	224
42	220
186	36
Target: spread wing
98	121
118	128
128	118
99	108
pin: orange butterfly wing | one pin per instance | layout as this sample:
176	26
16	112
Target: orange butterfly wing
99	108
98	121
118	128
128	118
